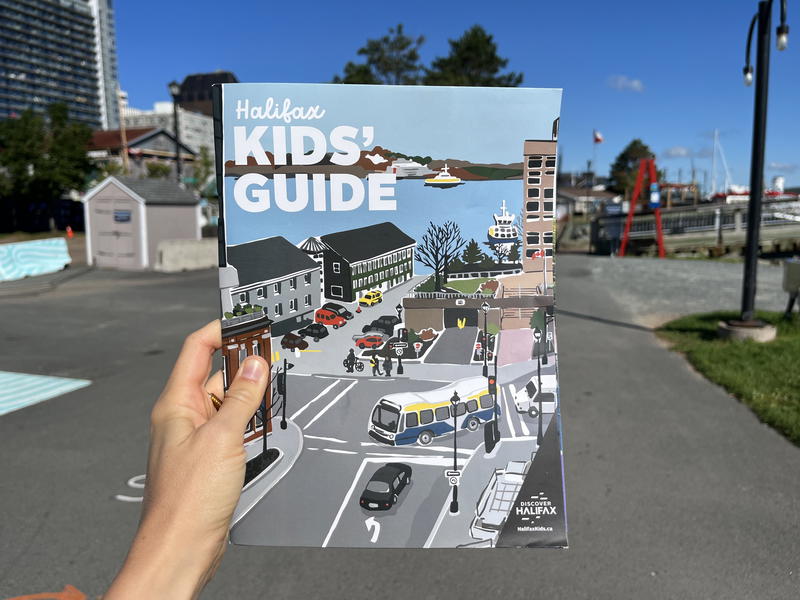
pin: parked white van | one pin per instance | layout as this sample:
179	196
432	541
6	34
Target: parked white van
526	400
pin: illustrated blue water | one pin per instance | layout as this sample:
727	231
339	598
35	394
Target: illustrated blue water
471	205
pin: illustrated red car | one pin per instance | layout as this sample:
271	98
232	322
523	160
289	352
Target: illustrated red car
368	341
328	317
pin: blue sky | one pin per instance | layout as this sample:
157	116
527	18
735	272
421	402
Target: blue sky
668	73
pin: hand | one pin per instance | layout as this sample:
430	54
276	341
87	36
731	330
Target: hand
195	473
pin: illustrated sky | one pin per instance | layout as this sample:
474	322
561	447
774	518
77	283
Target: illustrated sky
668	73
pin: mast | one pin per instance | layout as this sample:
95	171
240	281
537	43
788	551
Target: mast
714	164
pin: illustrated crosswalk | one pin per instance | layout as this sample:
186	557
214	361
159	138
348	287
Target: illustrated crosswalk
18	390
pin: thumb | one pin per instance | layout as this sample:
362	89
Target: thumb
245	394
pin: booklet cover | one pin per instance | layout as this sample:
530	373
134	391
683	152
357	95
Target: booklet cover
389	251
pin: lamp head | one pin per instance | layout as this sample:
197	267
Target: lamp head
485	307
537	334
782	37
454	399
748	75
174	88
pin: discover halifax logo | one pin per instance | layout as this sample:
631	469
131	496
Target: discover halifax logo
531	510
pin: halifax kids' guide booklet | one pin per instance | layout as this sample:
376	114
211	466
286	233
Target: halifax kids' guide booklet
389	250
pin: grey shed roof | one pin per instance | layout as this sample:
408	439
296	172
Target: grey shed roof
159	191
365	242
265	260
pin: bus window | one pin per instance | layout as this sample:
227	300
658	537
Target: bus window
426	416
461	408
487	401
412	420
472	405
442	413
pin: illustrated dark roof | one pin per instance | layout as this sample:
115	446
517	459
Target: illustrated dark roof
365	242
159	191
264	260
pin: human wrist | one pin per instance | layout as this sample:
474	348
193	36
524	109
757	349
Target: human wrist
163	563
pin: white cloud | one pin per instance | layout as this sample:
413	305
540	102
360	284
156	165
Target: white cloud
677	152
625	83
782	167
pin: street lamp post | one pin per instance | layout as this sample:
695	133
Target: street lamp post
399	309
453	403
537	335
286	367
400	370
485	309
764	20
174	90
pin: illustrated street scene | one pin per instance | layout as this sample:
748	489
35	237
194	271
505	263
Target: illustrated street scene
414	400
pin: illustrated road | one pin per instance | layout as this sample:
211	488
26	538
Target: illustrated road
316	503
454	346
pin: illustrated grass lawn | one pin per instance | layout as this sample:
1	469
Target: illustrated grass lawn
467	286
766	377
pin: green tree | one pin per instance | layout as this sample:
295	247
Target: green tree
473	60
391	60
472	253
513	253
157	170
43	157
203	168
626	166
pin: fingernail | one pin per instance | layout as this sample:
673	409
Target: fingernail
253	369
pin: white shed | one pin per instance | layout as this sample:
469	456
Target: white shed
126	218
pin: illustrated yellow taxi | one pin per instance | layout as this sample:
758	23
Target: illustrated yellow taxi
371	298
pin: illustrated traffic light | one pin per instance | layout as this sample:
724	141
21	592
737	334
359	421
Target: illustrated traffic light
282	384
492	385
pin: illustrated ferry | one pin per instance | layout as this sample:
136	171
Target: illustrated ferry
504	231
444	179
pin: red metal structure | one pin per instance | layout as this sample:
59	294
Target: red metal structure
650	165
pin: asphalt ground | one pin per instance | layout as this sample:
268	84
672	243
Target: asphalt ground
674	489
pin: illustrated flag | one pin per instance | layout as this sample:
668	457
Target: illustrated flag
389	251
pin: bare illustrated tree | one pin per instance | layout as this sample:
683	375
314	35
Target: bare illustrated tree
500	251
439	245
454	243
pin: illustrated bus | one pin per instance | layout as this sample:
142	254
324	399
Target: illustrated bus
411	417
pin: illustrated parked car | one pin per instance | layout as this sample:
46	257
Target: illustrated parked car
291	341
328	317
338	309
527	399
383	488
368	341
371	297
316	331
384	324
496	501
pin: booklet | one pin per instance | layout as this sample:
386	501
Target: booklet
389	250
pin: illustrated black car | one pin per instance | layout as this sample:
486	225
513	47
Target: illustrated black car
384	324
338	309
383	489
291	341
316	331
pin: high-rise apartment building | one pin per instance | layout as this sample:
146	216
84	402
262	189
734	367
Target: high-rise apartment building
59	51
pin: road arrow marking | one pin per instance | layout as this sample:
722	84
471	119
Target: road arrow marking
372	523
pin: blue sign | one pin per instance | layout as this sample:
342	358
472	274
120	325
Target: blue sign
655	196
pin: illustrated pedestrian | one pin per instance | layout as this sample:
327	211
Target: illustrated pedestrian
376	369
387	365
350	360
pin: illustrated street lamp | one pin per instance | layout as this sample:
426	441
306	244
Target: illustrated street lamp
286	367
453	403
485	309
537	335
764	20
399	309
174	90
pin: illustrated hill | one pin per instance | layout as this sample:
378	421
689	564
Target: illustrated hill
381	160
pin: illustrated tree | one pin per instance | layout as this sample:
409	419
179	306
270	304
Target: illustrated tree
453	244
513	252
625	167
500	251
42	158
473	60
472	253
439	245
392	60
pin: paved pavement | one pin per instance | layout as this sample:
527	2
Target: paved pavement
674	490
454	347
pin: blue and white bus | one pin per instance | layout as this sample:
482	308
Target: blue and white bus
411	417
